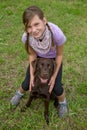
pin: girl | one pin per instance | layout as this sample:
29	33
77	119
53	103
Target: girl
42	39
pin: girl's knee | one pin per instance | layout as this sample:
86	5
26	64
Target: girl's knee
58	90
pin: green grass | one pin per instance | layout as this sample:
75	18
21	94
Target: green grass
71	17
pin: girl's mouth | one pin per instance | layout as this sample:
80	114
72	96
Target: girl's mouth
36	34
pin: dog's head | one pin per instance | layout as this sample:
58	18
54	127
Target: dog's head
44	68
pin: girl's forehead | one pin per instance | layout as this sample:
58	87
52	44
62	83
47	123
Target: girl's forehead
34	19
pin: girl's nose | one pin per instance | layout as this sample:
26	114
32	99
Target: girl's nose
33	29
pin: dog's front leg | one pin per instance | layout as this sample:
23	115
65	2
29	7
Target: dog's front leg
46	112
29	100
28	103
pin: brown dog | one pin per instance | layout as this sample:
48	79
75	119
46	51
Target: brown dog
43	70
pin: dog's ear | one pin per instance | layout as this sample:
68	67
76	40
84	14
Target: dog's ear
54	64
34	63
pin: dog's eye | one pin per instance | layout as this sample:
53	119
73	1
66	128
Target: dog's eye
42	64
48	65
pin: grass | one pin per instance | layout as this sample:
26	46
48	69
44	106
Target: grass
71	17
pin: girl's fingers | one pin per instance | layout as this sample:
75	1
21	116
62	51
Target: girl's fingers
30	88
50	82
31	85
51	88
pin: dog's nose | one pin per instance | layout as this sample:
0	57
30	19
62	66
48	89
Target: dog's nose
45	75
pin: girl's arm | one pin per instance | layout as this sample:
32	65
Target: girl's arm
32	57
59	58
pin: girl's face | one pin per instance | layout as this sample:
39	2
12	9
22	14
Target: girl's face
36	27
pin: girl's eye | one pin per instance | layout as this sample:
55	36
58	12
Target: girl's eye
29	26
36	24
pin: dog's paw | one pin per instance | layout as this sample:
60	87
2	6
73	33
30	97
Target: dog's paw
23	109
56	103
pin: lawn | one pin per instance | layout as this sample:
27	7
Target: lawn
71	17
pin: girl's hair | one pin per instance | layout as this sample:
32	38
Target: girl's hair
28	14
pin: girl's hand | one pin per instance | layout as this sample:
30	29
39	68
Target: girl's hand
31	83
51	83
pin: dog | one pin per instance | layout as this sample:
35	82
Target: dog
43	70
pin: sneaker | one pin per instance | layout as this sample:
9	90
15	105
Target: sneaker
62	109
16	99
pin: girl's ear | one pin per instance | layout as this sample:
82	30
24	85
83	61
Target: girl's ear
45	20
